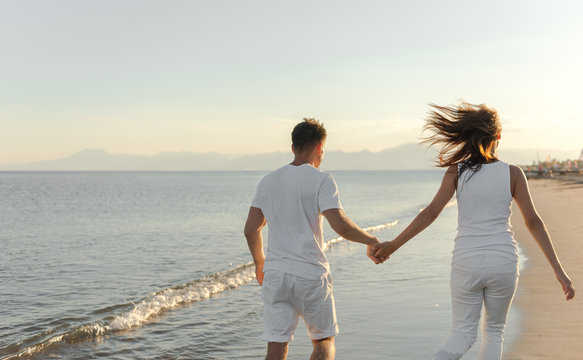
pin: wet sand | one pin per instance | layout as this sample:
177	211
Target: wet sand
551	327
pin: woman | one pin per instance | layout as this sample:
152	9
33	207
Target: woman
485	257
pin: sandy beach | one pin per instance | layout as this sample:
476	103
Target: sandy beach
551	328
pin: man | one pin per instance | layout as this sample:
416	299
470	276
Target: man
295	275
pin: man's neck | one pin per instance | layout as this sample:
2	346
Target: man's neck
302	160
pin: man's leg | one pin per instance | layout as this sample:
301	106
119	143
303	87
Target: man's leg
315	302
279	317
276	351
324	349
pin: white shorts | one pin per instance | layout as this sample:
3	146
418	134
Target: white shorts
286	297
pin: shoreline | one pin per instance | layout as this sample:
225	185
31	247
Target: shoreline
574	178
550	326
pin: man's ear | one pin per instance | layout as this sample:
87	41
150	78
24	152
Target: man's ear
319	148
292	149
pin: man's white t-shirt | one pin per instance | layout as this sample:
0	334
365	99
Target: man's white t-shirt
292	199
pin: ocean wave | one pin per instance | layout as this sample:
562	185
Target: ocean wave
147	309
329	243
142	312
451	203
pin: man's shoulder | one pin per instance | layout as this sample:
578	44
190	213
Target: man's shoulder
273	175
276	172
324	175
304	172
320	175
314	170
315	174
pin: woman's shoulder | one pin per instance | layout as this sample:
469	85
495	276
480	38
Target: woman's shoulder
517	178
515	169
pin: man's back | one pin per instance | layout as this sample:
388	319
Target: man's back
292	199
295	275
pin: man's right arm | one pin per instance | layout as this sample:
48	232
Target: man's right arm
346	228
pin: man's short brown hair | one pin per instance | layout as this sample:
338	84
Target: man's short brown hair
307	134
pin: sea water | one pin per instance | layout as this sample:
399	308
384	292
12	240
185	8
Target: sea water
153	265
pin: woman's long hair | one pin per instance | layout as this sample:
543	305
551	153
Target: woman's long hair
466	133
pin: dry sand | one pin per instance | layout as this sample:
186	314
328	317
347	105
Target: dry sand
551	327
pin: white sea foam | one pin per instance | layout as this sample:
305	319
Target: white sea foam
522	258
150	307
175	297
369	229
194	291
451	203
162	301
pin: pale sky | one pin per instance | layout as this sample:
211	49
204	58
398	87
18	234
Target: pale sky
143	77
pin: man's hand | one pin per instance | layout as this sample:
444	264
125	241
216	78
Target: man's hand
370	253
259	273
384	250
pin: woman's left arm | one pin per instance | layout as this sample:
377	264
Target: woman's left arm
425	217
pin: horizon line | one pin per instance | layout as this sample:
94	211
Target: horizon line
241	155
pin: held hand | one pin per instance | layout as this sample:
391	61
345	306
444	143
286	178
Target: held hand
384	250
259	273
370	253
568	287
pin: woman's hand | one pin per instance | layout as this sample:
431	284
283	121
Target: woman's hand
384	250
567	285
370	250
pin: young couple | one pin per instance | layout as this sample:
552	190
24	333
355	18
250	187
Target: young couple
295	274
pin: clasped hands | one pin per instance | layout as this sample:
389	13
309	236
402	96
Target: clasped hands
381	252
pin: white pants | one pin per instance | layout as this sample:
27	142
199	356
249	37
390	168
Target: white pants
489	280
286	297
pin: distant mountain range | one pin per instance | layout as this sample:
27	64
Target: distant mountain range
405	157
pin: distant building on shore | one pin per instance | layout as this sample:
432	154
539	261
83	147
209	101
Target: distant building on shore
551	167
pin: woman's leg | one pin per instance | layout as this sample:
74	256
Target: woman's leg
498	294
466	299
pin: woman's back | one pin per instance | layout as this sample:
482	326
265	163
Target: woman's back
484	207
484	264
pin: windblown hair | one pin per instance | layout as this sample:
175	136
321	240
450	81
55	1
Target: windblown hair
307	134
466	133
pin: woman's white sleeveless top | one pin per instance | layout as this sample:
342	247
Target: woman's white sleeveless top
484	203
